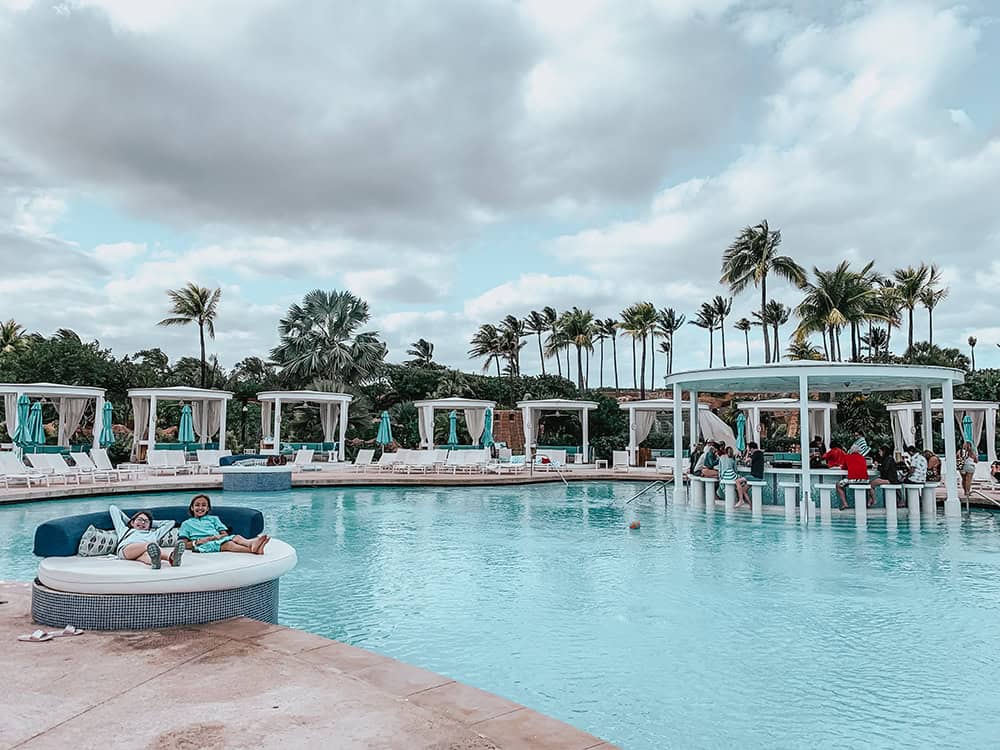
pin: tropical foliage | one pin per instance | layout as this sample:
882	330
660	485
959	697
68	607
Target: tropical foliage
195	304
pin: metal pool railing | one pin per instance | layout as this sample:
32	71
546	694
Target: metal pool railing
647	488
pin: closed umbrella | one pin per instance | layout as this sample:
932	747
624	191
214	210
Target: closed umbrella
107	436
452	428
36	430
967	427
741	432
384	435
488	429
20	435
185	430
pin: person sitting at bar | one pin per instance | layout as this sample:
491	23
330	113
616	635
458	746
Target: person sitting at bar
857	473
888	473
860	445
835	457
918	466
706	466
695	457
817	447
933	466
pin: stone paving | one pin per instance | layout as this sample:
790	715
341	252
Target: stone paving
242	684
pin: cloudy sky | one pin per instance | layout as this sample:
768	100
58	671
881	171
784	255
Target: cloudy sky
456	161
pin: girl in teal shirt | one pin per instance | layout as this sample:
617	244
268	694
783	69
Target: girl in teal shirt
206	533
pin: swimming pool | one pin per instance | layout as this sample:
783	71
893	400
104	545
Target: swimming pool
692	632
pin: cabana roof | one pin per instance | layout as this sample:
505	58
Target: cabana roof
656	404
557	403
826	377
785	404
51	390
454	402
318	397
937	404
180	393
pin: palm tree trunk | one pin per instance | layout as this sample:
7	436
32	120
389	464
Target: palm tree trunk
568	368
777	349
642	371
826	347
722	330
558	363
586	379
201	336
888	336
973	352
614	357
711	346
746	337
670	355
579	368
635	375
602	363
541	354
652	365
930	326
763	304
909	338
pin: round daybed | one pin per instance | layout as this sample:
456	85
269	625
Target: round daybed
104	593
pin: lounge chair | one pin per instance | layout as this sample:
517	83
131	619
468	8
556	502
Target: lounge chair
47	464
363	460
416	461
12	470
556	459
167	462
85	463
619	461
665	465
983	477
303	460
100	458
510	465
387	460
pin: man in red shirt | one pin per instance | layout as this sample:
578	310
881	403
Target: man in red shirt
835	456
857	473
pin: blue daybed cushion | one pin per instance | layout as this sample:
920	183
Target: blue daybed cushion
60	537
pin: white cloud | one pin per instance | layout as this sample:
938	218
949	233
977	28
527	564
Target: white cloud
118	252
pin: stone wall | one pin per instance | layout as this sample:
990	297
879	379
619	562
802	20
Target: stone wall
508	427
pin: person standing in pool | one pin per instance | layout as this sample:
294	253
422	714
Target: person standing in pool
206	533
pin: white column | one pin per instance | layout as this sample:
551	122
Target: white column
693	417
805	498
632	442
343	430
925	417
949	470
223	406
276	445
827	432
584	419
756	427
678	444
151	437
98	420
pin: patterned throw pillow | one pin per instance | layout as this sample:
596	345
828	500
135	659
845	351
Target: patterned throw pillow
170	540
97	542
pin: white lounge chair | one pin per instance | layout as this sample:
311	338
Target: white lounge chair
556	459
416	461
85	463
103	463
363	460
619	461
983	477
303	460
46	463
665	465
12	470
167	462
387	460
509	465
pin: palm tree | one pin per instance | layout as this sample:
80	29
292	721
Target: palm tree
910	282
486	343
877	342
627	325
889	303
749	260
930	296
608	328
320	339
835	300
722	306
972	348
578	328
195	304
744	325
803	349
12	336
537	323
706	319
667	348
639	321
511	332
668	322
422	352
552	318
777	315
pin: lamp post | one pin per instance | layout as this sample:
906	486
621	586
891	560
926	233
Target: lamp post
243	425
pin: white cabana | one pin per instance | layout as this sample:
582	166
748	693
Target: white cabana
642	417
820	415
531	411
333	408
474	411
982	413
70	402
824	377
208	410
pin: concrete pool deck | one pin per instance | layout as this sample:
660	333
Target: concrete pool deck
242	683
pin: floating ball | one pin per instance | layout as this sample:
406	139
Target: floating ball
634	525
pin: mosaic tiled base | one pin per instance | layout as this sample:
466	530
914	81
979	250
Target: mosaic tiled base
146	611
270	481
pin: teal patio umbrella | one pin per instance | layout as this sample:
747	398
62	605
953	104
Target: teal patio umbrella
452	427
384	435
36	429
967	427
107	436
20	435
741	432
185	430
488	429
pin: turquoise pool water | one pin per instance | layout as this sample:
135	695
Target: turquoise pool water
690	633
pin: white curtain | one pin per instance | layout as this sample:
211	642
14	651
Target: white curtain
425	424
991	435
207	417
815	423
530	418
266	419
475	422
902	430
329	414
714	429
978	421
10	412
421	426
70	411
140	429
643	421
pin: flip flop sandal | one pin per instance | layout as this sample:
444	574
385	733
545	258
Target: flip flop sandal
67	631
37	637
153	550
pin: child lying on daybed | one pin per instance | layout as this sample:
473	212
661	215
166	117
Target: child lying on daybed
139	538
206	533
